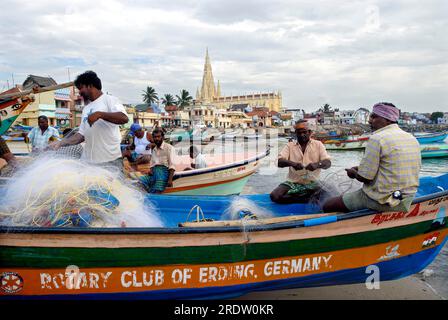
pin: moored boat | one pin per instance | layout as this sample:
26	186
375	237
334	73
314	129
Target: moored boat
296	248
354	144
226	174
434	151
431	137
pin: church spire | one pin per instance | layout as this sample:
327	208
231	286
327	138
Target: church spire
208	91
218	91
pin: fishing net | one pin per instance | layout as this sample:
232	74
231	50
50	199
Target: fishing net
60	192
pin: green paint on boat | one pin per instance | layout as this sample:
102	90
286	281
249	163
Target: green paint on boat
39	257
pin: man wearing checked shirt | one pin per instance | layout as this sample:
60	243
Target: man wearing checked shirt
389	169
41	136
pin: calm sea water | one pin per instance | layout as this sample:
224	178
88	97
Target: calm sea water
269	177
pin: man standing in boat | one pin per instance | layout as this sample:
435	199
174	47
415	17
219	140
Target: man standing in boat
41	135
389	169
99	128
305	159
161	172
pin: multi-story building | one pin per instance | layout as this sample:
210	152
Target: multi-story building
44	103
239	119
202	115
261	117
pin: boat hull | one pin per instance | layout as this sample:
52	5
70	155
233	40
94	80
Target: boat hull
176	263
346	145
436	151
431	138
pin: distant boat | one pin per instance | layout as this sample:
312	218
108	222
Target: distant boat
431	137
354	144
434	151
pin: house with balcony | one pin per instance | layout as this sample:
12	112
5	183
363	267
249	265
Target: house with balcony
44	103
202	115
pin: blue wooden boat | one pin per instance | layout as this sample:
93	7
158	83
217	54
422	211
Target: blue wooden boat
209	256
431	137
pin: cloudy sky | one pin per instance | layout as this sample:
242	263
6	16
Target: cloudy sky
345	53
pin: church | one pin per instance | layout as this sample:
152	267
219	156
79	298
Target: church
211	94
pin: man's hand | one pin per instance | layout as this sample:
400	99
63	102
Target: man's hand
54	145
169	183
94	117
312	166
298	166
352	172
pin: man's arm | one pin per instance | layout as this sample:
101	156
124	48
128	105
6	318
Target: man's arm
170	178
324	164
112	117
353	174
283	163
77	138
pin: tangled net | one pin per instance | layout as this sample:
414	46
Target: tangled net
57	192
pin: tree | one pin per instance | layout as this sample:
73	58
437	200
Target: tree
168	100
150	95
436	115
184	99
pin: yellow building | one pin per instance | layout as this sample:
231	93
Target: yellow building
211	94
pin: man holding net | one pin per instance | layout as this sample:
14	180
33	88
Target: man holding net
305	158
389	169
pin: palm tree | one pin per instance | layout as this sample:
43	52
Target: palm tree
168	100
150	95
184	99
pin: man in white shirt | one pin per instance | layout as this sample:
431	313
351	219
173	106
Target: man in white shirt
99	128
197	157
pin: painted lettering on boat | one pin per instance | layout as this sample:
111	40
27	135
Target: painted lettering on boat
74	281
294	266
386	217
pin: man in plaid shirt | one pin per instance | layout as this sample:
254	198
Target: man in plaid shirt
40	136
389	169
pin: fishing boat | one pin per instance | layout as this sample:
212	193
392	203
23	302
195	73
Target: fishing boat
226	174
13	102
354	144
431	137
434	151
208	257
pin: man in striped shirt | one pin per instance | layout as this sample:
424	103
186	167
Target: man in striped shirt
389	169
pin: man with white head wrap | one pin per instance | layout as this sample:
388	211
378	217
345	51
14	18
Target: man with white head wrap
389	169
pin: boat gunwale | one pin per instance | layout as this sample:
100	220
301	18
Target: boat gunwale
195	230
239	163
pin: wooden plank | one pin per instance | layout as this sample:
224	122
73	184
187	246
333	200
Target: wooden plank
39	90
252	222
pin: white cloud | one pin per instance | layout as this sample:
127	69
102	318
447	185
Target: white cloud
345	53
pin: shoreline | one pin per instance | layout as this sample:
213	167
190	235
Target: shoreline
409	288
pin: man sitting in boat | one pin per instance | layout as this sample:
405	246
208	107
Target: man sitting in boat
305	159
198	159
140	150
161	172
389	169
41	136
